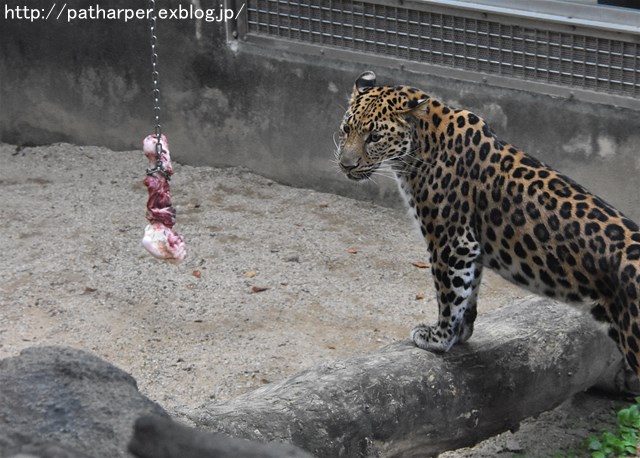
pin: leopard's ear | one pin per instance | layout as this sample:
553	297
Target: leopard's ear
364	81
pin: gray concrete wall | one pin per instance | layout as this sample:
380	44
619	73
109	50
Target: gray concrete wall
88	82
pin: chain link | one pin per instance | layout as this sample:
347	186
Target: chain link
156	92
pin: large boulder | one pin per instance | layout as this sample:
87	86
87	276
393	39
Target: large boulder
64	403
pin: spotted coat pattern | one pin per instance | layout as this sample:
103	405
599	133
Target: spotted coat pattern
481	202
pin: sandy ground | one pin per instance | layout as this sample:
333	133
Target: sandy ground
277	279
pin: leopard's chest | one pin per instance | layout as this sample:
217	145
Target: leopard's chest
440	202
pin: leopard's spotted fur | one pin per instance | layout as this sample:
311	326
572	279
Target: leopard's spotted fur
481	202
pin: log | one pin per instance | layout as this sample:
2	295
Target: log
403	401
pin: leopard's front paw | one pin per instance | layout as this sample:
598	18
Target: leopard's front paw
432	338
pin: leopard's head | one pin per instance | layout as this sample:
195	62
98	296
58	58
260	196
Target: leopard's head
378	127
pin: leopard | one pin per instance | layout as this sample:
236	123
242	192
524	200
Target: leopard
481	202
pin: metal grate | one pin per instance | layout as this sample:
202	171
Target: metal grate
451	40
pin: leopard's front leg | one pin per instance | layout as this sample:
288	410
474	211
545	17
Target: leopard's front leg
457	274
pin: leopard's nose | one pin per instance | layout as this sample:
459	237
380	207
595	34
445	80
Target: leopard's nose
348	161
348	165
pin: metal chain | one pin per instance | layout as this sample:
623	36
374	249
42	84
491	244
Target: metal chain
156	92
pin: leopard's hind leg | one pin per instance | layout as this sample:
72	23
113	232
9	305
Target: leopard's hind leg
624	330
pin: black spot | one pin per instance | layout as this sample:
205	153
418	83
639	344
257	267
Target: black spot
589	263
470	157
473	119
528	241
496	217
565	210
450	130
599	313
460	121
527	270
530	162
445	181
436	120
491	235
541	232
559	187
633	252
517	218
519	250
488	248
614	232
534	187
477	137
572	230
519	171
496	195
630	225
508	232
551	203
485	148
597	214
554	223
581	277
565	255
546	278
533	211
506	164
506	257
520	279
591	228
475	172
554	265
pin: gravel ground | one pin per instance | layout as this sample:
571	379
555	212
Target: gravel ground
277	279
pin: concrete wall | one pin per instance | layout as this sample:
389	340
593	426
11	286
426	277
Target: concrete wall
88	82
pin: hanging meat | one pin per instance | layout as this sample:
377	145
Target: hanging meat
159	237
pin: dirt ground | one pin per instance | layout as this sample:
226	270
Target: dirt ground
277	279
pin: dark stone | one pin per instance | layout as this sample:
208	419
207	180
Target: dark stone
60	402
159	437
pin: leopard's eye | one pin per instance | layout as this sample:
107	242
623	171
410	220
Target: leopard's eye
346	129
374	137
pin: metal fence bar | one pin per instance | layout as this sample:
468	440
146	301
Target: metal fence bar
451	40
